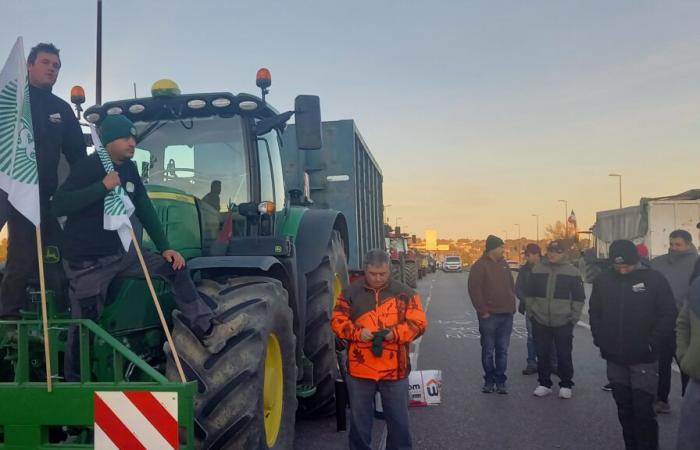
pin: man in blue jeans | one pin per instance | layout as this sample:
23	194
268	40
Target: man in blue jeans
492	292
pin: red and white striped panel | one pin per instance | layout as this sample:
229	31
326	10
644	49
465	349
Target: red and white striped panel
136	420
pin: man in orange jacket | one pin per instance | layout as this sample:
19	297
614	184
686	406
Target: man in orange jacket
379	318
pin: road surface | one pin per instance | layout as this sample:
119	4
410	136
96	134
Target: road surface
468	419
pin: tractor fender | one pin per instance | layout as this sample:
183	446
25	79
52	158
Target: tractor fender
263	263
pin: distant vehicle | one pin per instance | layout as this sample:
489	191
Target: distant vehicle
452	264
513	265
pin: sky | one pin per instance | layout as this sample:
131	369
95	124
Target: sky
480	113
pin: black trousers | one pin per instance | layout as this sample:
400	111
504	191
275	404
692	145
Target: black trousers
666	352
563	338
22	264
634	391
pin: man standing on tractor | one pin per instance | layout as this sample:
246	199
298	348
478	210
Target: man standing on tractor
56	131
379	318
93	256
492	292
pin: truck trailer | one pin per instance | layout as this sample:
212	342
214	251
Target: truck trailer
343	176
649	223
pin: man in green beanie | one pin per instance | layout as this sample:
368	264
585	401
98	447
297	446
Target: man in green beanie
492	292
94	256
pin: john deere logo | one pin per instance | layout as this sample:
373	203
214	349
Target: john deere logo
52	255
278	249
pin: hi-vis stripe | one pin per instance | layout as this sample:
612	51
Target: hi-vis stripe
136	420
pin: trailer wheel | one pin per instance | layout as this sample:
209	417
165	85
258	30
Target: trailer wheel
246	395
323	285
410	273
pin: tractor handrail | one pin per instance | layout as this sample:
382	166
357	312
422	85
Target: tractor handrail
118	347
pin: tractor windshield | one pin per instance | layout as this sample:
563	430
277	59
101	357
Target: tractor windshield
193	155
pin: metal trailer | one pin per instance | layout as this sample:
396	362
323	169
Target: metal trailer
650	222
342	175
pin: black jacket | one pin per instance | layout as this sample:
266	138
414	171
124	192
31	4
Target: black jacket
56	130
521	284
631	314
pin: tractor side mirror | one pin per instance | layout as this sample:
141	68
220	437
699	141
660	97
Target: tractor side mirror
307	118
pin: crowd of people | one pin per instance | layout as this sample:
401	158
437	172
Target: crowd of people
643	314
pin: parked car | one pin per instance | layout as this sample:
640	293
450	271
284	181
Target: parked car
452	264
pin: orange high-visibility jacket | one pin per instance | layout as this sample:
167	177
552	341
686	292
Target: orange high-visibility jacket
396	307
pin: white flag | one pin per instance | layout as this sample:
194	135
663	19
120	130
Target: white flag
118	206
19	177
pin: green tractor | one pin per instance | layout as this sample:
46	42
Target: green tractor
270	270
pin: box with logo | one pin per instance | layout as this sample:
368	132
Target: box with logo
424	387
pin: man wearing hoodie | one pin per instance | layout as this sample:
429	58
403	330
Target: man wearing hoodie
688	352
554	301
631	313
677	266
492	292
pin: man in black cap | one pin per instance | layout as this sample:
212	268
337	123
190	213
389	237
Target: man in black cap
56	132
94	256
492	293
632	312
554	301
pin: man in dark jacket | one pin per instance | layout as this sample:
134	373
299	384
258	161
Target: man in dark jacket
56	131
555	298
632	312
492	293
94	256
533	255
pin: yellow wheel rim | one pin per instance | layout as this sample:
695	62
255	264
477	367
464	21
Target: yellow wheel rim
274	388
337	287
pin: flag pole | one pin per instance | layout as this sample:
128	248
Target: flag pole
44	313
158	308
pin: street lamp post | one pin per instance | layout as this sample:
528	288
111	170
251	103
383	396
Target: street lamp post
619	180
537	217
396	223
386	217
519	237
566	226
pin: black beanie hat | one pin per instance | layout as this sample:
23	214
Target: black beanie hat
493	242
623	252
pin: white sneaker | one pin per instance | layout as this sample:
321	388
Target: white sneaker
542	391
565	393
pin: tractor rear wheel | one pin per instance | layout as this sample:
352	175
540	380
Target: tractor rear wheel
247	390
410	273
323	285
396	274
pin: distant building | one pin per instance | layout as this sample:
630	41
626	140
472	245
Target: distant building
431	240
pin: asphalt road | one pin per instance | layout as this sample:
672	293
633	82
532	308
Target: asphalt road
468	419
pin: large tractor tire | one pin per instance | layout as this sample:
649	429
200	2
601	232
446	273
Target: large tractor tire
246	396
410	273
323	285
396	272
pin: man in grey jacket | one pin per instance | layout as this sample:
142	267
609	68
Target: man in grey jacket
677	267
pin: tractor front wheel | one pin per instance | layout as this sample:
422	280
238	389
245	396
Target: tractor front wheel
246	390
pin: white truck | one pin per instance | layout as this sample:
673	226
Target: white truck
649	223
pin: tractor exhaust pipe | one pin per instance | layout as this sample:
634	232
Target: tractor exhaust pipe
98	61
